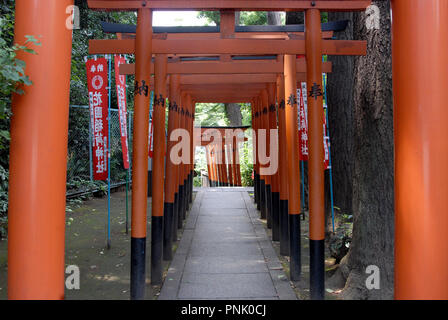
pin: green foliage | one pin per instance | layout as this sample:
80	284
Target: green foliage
78	184
12	70
246	114
12	79
246	164
253	18
197	181
211	114
211	16
247	18
339	241
7	17
200	165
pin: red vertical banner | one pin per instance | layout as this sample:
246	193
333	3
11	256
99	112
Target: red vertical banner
150	140
326	141
303	122
97	79
120	82
303	127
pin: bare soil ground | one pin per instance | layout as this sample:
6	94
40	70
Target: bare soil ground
104	272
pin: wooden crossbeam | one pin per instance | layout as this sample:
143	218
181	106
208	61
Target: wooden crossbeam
236	35
221	129
239	5
228	46
200	96
201	99
233	78
222	94
223	88
222	79
238	67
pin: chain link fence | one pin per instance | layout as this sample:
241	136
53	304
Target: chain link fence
79	160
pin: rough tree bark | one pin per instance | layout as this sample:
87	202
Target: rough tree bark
233	112
274	18
295	17
373	188
340	114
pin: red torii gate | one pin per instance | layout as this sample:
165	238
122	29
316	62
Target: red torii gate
230	144
39	136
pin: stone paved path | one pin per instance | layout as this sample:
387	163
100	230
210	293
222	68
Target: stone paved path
225	253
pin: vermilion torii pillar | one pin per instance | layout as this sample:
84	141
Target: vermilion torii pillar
238	165
254	155
209	166
158	166
266	144
224	164
182	200
171	181
262	182
38	154
218	153
273	144
190	165
421	174
316	153
209	169
235	162
292	143
186	165
179	166
229	161
214	168
140	152
283	168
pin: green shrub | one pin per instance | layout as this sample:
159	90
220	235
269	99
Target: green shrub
12	77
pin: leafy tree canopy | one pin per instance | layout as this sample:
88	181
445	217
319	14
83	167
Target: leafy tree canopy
247	18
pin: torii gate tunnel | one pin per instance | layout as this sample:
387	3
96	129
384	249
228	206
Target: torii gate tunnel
39	133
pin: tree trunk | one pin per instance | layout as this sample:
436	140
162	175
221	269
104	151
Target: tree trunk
233	111
274	18
237	17
340	121
295	17
373	150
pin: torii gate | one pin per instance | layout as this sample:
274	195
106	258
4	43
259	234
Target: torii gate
231	146
39	135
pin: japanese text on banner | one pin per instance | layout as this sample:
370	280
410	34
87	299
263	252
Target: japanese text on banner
120	82
97	78
303	127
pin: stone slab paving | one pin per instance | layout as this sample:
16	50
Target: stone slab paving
225	253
